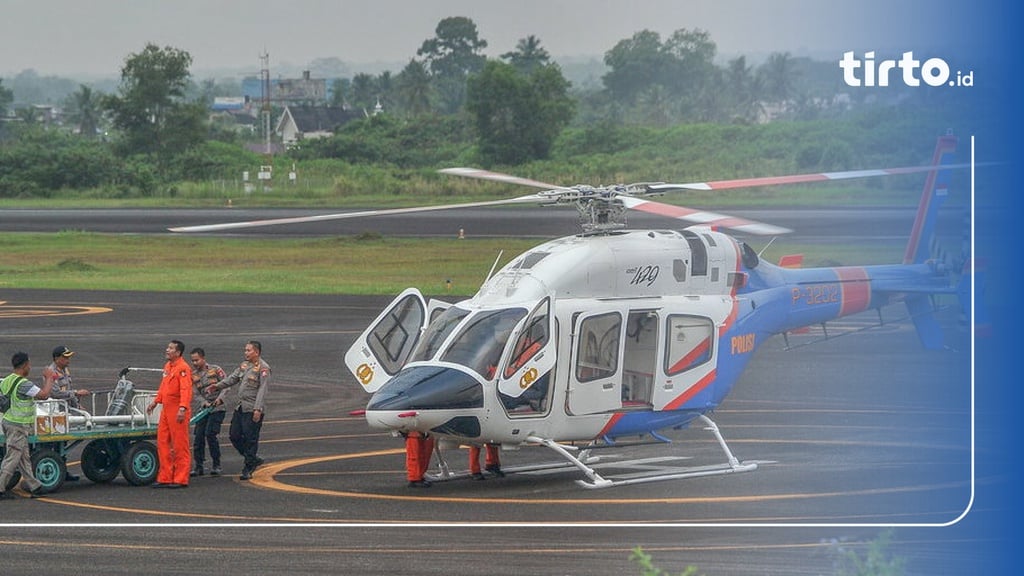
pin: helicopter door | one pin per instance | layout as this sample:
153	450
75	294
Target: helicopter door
640	358
384	348
525	379
689	359
596	382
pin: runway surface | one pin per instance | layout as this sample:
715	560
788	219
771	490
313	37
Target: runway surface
852	435
833	225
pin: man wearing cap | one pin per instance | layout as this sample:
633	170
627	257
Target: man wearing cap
18	424
59	373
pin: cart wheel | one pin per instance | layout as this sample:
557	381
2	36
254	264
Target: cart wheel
50	469
101	461
139	463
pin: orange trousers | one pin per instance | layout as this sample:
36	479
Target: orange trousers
418	448
490	460
172	447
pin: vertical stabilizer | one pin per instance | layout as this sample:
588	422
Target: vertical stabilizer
919	248
922	246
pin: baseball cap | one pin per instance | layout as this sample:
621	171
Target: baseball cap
62	351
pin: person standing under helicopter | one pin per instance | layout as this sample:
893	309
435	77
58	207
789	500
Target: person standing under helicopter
492	462
418	448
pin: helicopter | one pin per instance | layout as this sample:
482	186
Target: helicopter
615	333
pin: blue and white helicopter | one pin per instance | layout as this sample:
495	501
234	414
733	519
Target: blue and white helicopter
616	333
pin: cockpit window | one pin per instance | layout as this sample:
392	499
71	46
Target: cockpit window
532	339
479	345
437	332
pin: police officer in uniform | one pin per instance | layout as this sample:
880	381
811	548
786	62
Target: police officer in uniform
247	419
59	371
208	427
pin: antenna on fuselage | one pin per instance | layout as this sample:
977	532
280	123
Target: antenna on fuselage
766	246
493	266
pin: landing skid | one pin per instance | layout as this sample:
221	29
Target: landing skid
595	480
444	471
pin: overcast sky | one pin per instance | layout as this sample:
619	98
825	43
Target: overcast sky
93	37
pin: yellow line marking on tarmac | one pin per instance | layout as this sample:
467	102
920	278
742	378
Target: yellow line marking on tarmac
264	477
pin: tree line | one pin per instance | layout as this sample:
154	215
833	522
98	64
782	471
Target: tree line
450	102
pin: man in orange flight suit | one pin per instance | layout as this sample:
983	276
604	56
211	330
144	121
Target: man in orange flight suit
418	448
175	394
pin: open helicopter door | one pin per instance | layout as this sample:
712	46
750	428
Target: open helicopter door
384	348
595	384
525	381
689	360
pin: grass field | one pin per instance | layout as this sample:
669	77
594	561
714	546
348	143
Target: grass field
335	265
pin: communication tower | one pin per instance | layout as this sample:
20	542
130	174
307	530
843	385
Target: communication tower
265	113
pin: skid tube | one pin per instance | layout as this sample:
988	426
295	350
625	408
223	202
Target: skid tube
732	465
444	470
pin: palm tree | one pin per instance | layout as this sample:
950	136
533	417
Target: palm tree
6	97
528	55
413	88
386	89
364	90
743	88
779	76
85	111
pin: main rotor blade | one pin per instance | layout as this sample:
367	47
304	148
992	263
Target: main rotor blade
499	177
799	178
528	199
702	217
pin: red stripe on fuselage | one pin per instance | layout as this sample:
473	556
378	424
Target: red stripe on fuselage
856	290
692	391
611	424
698	351
683	399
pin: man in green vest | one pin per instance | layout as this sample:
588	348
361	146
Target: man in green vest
18	424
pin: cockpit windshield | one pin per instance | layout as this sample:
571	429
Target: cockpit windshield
480	343
437	332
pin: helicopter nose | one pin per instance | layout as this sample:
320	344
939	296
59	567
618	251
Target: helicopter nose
426	387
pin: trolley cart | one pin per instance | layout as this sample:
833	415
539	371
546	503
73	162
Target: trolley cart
117	431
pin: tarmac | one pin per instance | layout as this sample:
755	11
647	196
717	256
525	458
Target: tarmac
851	435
